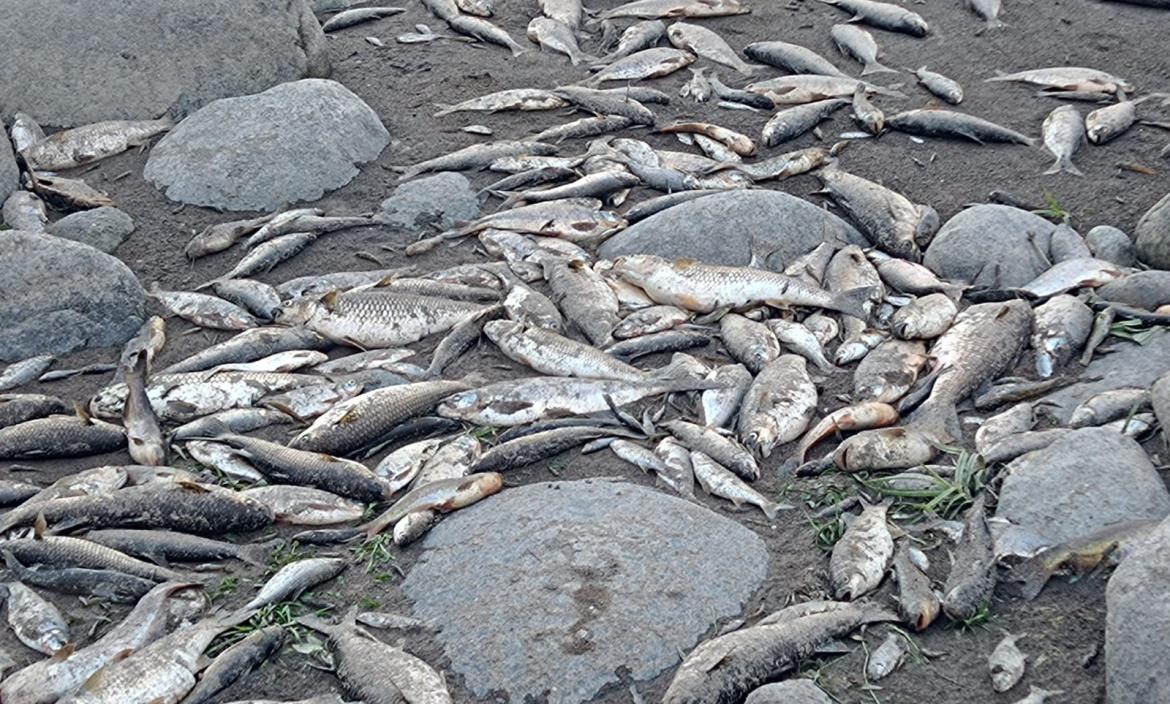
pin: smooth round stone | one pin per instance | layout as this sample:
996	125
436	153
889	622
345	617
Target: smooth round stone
101	228
546	591
1152	235
993	246
1111	244
789	692
441	199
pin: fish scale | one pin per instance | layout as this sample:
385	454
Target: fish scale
75	552
60	436
373	318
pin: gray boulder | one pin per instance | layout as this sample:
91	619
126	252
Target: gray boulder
1142	289
729	228
62	296
1152	235
788	692
996	246
440	199
290	143
101	228
9	172
1086	480
1127	365
1137	619
1112	245
546	591
82	62
333	5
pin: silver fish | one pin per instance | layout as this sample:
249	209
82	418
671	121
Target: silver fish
294	578
883	16
81	145
35	621
717	480
860	558
648	63
707	44
1061	329
793	58
1064	132
556	36
550	353
25	371
949	123
1006	663
859	45
941	86
778	405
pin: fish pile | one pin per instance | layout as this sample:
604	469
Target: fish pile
322	419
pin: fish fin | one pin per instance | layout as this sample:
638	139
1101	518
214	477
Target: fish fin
40	525
852	302
877	67
1063	165
192	486
444	109
82	413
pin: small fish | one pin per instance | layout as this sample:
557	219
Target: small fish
550	353
861	416
859	45
350	18
81	145
971	581
144	437
886	658
883	16
236	662
586	300
745	98
939	85
204	311
556	36
719	405
679	472
655	9
1104	124
925	318
795	121
1064	132
948	123
748	342
24	211
484	31
778	405
718	481
793	58
35	621
442	496
865	113
1108	406
862	555
294	578
698	88
891	221
889	371
1006	663
648	63
726	451
917	602
707	44
220	236
25	371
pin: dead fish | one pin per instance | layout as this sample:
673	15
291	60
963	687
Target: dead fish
550	353
569	12
883	16
144	437
112	585
865	113
573	219
287	465
707	44
24	132
1075	79
1006	663
442	497
204	311
162	547
742	97
704	288
719	405
925	318
1062	327
886	658
793	122
889	371
60	436
382	619
941	86
23	210
236	662
522	451
917	602
807	88
25	371
1072	274
678	470
1020	418
721	449
1039	696
294	578
68	193
34	620
477	156
793	58
1078	556
556	36
1011	392
884	448
948	123
778	405
350	18
717	480
862	555
748	342
304	506
81	145
1012	446
484	31
221	236
376	672
988	11
697	88
650	320
1063	132
1109	122
861	416
1108	406
15	492
801	340
887	218
655	9
971	580
585	299
727	667
256	297
305	221
648	63
526	99
859	45
738	143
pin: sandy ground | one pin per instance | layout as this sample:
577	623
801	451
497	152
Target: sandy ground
403	84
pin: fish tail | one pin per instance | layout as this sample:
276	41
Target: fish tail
772	508
318	624
1032	575
1063	165
444	109
876	67
938	419
852	302
993	23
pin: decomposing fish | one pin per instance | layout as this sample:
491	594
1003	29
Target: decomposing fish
889	371
949	123
1070	79
793	58
477	156
807	88
887	218
1006	663
1079	555
925	318
748	342
717	480
304	506
738	143
1107	123
236	662
569	12
64	551
866	114
656	9
917	602
884	448
442	496
68	193
971	580
861	416
23	210
939	85
778	405
1063	132
221	236
81	145
35	621
859	45
144	437
648	63
484	31
792	122
988	11
204	310
722	449
294	578
286	465
705	43
349	18
677	470
883	15
556	36
1108	406
698	88
886	658
25	371
586	300
861	556
60	436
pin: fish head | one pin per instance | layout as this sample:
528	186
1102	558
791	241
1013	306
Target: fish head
637	267
762	437
460	404
927	225
296	311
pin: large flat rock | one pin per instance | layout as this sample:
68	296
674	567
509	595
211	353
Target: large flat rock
439	200
1137	619
61	296
991	245
728	228
1127	364
85	61
1152	235
293	142
547	590
1086	480
9	173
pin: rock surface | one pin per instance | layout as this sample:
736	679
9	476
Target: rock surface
1112	245
991	245
101	228
9	172
1142	289
728	228
137	59
440	199
1086	480
62	296
579	579
290	143
1137	619
1128	364
788	692
1152	235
